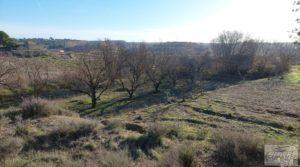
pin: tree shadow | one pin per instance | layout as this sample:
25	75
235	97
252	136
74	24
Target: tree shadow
222	80
120	104
148	98
140	101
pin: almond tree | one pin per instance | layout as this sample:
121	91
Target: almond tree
157	68
131	73
94	73
37	75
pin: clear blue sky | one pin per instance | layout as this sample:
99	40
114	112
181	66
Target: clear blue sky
132	20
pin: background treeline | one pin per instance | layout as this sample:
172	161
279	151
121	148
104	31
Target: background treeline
231	55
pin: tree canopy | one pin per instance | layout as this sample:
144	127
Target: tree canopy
4	39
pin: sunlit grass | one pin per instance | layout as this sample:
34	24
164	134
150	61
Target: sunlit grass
294	75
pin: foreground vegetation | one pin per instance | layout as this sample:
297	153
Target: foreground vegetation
224	126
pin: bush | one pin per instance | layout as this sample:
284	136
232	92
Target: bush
68	131
90	145
11	113
146	142
114	124
3	122
9	148
182	156
239	149
37	107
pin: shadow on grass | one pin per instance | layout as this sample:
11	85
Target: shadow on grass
240	118
222	80
6	102
142	100
122	104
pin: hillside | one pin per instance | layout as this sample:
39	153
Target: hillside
154	127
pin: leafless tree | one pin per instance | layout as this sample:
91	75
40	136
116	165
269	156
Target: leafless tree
263	59
157	67
284	52
173	69
94	73
132	67
7	68
235	51
37	75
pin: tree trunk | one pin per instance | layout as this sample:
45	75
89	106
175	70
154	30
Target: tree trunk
130	94
173	83
156	86
93	98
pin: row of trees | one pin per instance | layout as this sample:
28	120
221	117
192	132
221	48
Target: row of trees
129	68
231	53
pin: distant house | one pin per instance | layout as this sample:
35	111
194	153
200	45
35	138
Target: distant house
61	52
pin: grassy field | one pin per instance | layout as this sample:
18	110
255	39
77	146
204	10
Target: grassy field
294	75
265	109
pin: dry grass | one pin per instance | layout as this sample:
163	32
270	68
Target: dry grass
239	149
53	138
37	107
61	131
184	155
9	148
116	159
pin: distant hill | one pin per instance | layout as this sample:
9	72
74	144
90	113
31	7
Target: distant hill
71	45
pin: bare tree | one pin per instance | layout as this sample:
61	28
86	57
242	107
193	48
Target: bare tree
157	67
7	68
284	52
37	75
173	69
93	74
191	72
235	51
132	66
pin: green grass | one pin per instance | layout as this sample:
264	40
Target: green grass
56	61
5	92
294	75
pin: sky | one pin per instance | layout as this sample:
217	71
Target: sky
147	20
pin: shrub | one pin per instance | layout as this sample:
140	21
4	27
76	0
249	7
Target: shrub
9	148
37	107
187	156
3	122
239	149
90	145
63	136
261	68
11	113
114	124
181	156
22	130
146	142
